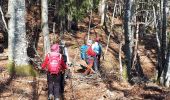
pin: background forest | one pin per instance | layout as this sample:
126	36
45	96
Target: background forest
134	35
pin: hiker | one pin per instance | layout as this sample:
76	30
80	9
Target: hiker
98	50
83	50
90	58
55	65
64	53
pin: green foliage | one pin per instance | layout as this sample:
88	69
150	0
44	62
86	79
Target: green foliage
168	36
11	67
76	8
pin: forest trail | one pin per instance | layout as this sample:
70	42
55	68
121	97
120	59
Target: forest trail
97	87
78	87
106	86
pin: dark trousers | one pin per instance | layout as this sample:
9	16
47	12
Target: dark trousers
98	61
53	81
62	81
96	66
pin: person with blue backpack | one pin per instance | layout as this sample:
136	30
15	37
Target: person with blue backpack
87	54
83	50
97	47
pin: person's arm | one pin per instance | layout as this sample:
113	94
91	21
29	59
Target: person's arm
102	53
45	62
63	65
66	53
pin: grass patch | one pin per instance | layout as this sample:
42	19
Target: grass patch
23	70
11	67
124	74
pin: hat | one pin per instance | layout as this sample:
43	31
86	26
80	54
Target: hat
55	47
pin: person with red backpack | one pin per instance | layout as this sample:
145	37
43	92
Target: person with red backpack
90	58
55	64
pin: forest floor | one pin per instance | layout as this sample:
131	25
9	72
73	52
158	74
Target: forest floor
106	86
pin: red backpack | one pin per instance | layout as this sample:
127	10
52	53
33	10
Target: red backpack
54	65
90	51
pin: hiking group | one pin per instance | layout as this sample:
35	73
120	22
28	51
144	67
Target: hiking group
91	53
57	61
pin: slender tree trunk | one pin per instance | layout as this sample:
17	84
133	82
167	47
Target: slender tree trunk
102	6
44	25
164	39
128	36
20	41
158	43
111	27
89	28
120	61
167	68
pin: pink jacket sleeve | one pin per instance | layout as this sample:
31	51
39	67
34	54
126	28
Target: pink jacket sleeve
45	62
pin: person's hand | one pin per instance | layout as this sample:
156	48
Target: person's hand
69	64
62	71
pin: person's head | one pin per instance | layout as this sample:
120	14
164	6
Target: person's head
97	39
89	42
55	48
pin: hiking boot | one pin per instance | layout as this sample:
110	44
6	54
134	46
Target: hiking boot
57	98
50	97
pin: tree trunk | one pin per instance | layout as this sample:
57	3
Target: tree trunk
167	68
44	25
20	42
164	39
101	9
11	29
128	36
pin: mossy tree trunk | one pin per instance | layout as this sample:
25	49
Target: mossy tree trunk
17	42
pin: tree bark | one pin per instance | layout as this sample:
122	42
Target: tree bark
128	36
44	25
20	42
164	40
11	29
167	69
101	9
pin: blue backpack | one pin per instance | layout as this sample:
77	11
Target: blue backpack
83	50
98	49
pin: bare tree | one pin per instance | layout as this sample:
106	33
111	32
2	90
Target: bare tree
128	36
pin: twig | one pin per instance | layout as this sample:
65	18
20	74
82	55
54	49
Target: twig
37	52
91	13
112	24
38	64
3	19
120	61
